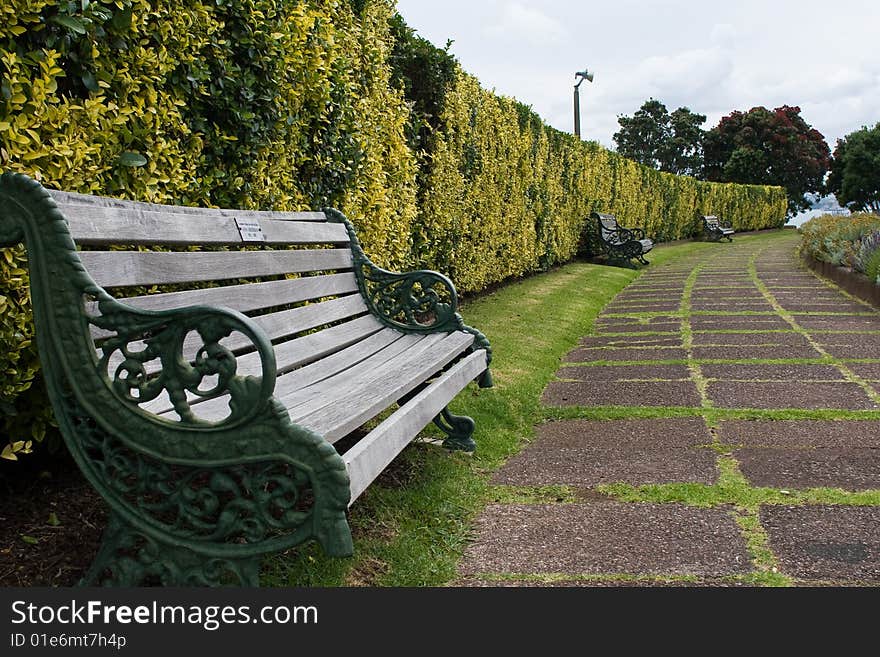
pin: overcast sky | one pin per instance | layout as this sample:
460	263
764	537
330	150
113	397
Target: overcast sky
712	57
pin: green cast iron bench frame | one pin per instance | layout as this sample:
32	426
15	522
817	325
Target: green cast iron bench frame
209	418
621	244
716	229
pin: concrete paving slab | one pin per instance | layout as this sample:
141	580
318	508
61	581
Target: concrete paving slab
608	538
759	372
825	542
838	322
590	354
637	394
849	469
588	453
624	372
840	308
734	294
750	339
737	322
753	353
737	394
634	341
635	327
638	309
850	340
868	371
732	307
856	352
802	433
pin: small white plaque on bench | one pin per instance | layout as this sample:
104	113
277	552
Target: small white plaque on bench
250	230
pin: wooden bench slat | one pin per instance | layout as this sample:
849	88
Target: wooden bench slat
91	225
216	409
311	347
370	395
71	199
131	268
335	363
278	326
252	296
325	391
287	323
372	454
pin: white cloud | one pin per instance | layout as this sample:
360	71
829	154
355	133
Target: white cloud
724	33
519	22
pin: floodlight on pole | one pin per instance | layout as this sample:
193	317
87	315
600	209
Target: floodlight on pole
580	76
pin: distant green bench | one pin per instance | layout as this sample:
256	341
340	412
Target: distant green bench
715	229
210	416
617	242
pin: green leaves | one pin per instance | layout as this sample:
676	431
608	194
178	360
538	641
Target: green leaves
855	170
71	23
132	159
768	148
664	141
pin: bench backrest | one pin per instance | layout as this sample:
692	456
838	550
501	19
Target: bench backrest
291	271
711	221
607	227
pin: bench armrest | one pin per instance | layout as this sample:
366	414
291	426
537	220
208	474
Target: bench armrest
629	235
420	301
143	341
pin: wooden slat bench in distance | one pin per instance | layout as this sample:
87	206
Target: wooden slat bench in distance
716	229
617	242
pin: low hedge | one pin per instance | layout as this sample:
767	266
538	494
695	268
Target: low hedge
847	241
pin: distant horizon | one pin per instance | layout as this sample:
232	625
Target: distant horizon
822	205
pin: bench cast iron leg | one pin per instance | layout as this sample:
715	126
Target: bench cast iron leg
128	558
459	429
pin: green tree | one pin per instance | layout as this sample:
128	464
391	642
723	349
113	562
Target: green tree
855	169
768	148
664	141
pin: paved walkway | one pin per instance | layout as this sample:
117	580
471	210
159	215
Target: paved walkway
721	427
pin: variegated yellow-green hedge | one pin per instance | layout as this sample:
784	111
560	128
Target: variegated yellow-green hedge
297	104
240	103
507	194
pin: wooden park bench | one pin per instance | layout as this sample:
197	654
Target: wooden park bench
715	229
618	243
210	416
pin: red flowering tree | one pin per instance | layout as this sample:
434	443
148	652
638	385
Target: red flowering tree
768	148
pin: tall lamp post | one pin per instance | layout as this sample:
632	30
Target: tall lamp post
580	76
